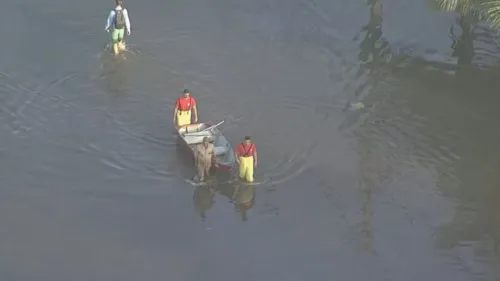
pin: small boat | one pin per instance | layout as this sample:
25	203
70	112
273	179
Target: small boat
193	134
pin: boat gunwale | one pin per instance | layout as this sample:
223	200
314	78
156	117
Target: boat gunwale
213	132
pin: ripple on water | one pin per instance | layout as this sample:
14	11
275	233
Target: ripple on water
137	155
66	123
288	167
28	104
286	140
393	122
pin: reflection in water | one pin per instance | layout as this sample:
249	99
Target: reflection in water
203	200
476	223
374	174
244	199
467	164
367	222
373	50
373	45
240	194
114	73
471	176
463	46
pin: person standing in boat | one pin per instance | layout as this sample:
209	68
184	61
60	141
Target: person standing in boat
246	156
118	20
183	108
204	158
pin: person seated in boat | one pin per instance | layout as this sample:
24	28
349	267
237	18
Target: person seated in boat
204	158
183	108
246	156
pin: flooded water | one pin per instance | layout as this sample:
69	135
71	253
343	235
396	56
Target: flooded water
93	186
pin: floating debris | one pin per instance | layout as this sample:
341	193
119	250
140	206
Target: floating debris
357	105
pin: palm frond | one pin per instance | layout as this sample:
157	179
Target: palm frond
447	5
470	8
492	8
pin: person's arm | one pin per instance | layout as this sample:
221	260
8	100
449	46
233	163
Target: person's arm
236	155
195	111
109	21
196	156
127	20
176	108
213	155
255	156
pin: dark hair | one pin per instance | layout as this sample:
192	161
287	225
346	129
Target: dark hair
119	2
247	138
186	91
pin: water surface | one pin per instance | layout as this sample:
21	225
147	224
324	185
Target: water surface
94	186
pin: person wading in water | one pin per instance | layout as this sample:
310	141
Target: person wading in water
183	108
246	156
204	158
118	20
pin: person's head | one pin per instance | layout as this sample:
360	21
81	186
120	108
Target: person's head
206	140
247	140
119	2
187	93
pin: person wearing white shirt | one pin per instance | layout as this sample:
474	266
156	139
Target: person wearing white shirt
118	19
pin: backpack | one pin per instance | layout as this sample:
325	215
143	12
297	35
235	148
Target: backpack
119	19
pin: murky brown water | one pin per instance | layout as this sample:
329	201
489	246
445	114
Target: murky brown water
94	188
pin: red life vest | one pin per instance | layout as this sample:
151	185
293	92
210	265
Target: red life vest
246	152
184	104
